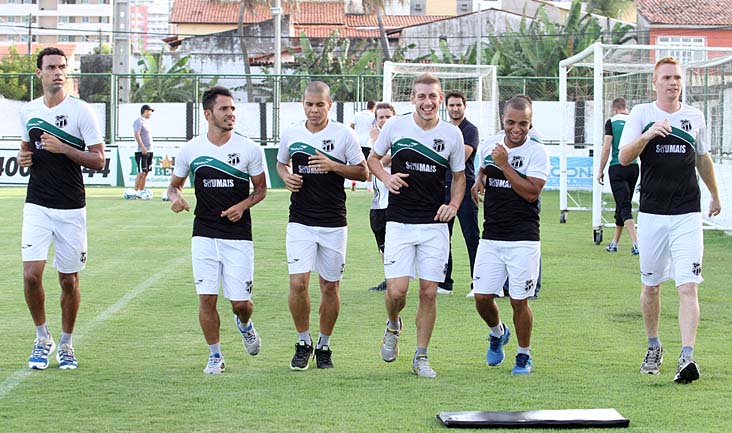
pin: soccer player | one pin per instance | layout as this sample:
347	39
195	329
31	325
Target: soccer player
423	147
322	153
513	170
622	177
223	164
377	215
144	154
60	134
672	141
468	212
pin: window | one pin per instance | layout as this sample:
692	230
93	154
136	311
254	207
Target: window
11	19
63	19
64	38
84	19
679	43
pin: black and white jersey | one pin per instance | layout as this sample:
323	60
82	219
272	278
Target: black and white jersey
425	156
614	128
221	179
321	201
668	164
508	216
55	180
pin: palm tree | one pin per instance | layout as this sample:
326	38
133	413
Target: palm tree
609	9
377	7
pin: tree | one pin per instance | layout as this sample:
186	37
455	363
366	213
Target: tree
609	9
164	85
377	7
16	84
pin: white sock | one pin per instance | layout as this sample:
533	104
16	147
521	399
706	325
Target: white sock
42	331
215	348
524	350
65	339
497	330
323	340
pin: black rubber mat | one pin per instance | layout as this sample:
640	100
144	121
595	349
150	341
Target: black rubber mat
567	418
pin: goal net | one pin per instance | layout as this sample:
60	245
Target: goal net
479	84
613	71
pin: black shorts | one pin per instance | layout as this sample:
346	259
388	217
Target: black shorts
366	151
622	182
377	218
144	162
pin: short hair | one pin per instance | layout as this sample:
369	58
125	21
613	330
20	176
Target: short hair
208	100
425	78
519	102
456	94
49	51
620	104
668	60
370	105
384	106
317	87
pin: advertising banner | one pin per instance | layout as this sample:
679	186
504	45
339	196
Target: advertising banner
579	173
11	173
163	162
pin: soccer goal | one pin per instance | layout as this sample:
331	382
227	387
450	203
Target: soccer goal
591	79
479	83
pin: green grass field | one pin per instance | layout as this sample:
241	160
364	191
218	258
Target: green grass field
141	351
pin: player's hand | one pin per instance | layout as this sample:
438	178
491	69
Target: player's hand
601	178
396	181
233	213
144	150
25	158
477	191
500	155
52	144
180	204
445	213
715	207
293	182
321	162
374	133
658	129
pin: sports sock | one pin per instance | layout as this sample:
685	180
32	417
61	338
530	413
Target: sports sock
497	330
323	340
65	339
688	351
420	351
654	342
393	326
42	331
524	350
215	348
244	327
305	336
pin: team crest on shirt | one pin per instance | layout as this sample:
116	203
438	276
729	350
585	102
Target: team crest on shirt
517	161
82	258
696	269
233	158
249	286
328	145
438	144
62	120
686	125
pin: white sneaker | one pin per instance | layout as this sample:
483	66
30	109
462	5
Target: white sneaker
421	367
249	338
441	291
42	349
471	294
130	194
215	364
66	358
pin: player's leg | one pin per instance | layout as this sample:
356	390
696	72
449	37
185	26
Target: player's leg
620	190
207	276
399	262
237	259
301	246
522	260
631	178
488	280
377	220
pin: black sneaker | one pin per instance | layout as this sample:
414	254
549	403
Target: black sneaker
322	357
302	356
380	288
687	371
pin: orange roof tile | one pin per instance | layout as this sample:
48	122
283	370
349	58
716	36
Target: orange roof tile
687	12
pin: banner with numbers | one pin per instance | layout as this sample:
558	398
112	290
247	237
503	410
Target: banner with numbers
11	173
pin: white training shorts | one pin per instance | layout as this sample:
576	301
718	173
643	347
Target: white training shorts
319	249
671	246
416	249
65	227
223	262
517	260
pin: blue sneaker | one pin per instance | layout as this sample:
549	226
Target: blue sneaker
635	251
42	349
66	358
612	248
524	364
495	354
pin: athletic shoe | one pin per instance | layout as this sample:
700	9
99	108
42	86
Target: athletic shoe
524	364
687	371
379	288
441	291
653	360
65	357
634	251
250	338
42	349
495	353
322	357
471	294
421	367
303	351
215	364
130	194
612	248
390	343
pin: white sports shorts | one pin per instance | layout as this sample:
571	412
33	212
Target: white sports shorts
517	260
65	227
671	246
416	249
319	249
223	262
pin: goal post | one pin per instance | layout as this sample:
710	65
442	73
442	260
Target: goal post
627	71
478	82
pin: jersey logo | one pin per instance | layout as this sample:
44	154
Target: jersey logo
249	285
62	120
696	269
82	257
328	145
517	161
529	285
233	158
686	125
438	145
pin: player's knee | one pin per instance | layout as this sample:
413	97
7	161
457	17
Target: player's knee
651	290
33	279
241	307
68	282
688	290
